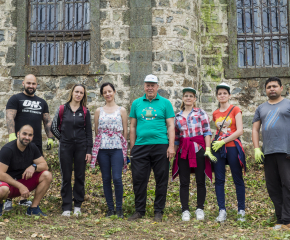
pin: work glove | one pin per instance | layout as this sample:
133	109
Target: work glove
50	144
258	155
210	155
217	145
12	137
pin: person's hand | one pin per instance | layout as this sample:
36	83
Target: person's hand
50	144
170	152
258	155
24	191
217	145
88	158
210	155
28	172
12	137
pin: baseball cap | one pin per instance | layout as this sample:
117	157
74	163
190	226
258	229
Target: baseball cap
189	89
223	85
151	78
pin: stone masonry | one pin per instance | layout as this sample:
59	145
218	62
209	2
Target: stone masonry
183	42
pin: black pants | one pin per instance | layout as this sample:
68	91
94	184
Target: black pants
69	155
184	178
144	158
277	168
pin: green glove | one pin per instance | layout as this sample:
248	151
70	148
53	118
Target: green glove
258	155
210	155
50	144
12	137
217	145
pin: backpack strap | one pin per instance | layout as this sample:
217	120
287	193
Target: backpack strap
85	114
60	115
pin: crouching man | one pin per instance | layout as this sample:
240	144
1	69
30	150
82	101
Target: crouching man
23	169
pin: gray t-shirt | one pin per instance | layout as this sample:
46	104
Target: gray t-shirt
275	129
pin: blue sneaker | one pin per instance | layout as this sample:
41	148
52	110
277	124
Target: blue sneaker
35	212
1	208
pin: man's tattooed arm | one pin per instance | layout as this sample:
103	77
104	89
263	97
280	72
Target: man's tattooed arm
47	124
10	116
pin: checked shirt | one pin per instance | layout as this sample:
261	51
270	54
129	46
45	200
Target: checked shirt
196	124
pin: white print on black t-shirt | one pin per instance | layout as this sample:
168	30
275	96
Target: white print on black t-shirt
31	106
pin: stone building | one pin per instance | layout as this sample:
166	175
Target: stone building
196	43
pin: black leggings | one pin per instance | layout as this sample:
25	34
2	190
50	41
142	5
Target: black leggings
184	177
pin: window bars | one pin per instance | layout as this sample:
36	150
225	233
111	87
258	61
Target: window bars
262	27
58	32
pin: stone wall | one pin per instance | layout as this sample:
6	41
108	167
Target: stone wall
114	54
248	94
176	47
189	44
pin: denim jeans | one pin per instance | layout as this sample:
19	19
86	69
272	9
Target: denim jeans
236	169
111	162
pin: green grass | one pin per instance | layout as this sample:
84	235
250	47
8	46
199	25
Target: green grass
93	225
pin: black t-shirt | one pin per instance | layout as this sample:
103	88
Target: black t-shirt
30	111
16	160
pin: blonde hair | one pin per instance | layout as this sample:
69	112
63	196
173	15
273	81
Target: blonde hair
85	98
182	107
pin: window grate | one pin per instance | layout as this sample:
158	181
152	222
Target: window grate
58	32
262	27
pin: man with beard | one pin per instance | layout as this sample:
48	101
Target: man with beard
274	116
27	108
23	169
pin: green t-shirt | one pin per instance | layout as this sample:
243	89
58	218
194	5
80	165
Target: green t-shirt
151	119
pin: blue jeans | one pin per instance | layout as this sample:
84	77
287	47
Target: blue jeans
236	169
112	161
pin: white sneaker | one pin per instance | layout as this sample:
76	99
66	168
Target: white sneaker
185	215
66	214
241	216
77	211
199	214
222	216
8	205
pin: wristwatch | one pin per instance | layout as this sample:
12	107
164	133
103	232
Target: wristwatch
35	166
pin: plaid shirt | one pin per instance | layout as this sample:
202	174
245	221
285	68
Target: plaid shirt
196	123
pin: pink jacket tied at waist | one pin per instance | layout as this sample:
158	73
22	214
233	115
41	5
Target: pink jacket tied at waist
187	146
97	145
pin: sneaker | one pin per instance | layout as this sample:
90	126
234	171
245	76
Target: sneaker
199	214
77	211
185	216
1	207
241	216
110	213
120	214
277	227
35	212
158	217
25	203
135	216
8	205
222	216
66	213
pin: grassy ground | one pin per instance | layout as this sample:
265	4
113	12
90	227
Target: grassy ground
93	225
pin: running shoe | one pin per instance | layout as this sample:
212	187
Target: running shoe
199	214
222	216
242	216
35	212
25	203
8	205
185	216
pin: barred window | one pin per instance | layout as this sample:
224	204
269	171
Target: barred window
262	28
58	32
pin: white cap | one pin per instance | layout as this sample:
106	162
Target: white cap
151	78
223	85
